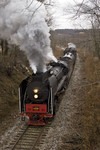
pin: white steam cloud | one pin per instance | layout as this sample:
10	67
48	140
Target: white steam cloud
71	45
22	22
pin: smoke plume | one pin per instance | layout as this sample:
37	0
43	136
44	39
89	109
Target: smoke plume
22	22
71	45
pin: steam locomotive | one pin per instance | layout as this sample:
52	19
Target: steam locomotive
38	93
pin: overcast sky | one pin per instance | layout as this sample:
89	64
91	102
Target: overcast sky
62	19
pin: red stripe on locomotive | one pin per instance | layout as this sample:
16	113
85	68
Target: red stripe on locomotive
36	108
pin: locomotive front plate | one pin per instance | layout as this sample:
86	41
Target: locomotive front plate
36	108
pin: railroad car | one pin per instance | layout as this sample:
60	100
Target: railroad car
38	93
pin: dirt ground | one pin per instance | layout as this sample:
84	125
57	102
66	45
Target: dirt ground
74	126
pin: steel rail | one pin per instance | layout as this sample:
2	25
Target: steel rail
20	137
36	132
35	143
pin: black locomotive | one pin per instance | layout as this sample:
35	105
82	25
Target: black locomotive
39	92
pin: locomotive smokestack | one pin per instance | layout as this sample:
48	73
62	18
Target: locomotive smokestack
23	23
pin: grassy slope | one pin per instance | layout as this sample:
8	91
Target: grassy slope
91	107
9	84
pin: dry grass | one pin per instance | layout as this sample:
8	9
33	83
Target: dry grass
10	78
92	65
91	106
58	52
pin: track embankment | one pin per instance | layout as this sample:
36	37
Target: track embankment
74	126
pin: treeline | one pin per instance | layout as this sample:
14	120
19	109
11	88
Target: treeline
70	31
87	38
61	37
11	59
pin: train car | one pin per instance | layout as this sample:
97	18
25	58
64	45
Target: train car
38	93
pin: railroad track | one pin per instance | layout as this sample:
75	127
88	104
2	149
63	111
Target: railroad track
30	138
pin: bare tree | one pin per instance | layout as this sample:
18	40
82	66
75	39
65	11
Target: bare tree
91	11
4	47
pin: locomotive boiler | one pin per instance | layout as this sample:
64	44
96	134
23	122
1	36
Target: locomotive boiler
38	93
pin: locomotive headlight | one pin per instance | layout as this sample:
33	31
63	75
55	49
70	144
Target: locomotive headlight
35	96
35	90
